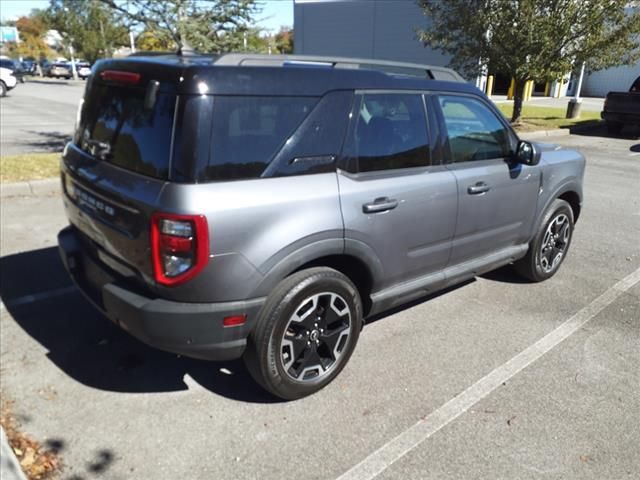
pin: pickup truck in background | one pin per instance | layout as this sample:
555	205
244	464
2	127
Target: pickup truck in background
622	108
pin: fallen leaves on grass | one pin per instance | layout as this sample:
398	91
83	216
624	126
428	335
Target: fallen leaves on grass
37	462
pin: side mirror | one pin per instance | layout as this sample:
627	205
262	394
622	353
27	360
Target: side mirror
527	154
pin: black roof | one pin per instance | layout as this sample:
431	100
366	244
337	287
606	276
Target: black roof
200	74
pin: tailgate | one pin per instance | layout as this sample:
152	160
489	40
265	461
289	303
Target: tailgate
112	208
117	165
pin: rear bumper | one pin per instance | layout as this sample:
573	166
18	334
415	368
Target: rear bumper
191	329
625	118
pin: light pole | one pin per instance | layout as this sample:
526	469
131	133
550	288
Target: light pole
573	109
74	71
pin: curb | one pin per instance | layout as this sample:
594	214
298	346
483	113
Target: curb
9	465
30	188
556	132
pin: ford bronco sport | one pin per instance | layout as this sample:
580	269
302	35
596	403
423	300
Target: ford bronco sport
263	207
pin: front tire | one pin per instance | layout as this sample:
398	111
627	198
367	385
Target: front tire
305	333
550	246
3	89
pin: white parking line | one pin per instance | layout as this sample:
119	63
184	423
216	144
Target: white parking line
395	449
36	297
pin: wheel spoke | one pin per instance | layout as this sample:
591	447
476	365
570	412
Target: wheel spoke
331	339
309	361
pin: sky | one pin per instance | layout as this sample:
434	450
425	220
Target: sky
275	13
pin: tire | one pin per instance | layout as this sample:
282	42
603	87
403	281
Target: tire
305	333
3	89
550	246
614	128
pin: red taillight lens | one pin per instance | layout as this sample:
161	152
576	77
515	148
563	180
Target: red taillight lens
120	76
179	247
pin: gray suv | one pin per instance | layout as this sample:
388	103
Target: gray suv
263	207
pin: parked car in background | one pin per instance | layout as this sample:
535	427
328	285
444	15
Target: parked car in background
29	66
622	108
59	70
15	67
263	206
83	69
7	79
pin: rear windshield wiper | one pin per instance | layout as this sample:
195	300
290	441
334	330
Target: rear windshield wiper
100	150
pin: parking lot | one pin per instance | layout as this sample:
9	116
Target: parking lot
493	379
38	116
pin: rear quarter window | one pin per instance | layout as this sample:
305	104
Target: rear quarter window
248	131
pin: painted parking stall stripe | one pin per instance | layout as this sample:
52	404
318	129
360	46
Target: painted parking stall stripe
36	297
395	449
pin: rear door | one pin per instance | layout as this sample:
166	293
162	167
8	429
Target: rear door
396	201
496	197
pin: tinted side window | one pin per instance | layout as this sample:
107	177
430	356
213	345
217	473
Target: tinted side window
474	131
315	145
248	131
636	86
389	132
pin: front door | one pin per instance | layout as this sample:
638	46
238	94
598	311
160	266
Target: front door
496	196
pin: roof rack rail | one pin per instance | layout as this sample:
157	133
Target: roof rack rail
387	66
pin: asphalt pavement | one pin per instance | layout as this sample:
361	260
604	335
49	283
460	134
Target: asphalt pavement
496	378
38	116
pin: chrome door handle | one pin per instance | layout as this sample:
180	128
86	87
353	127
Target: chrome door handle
381	204
478	188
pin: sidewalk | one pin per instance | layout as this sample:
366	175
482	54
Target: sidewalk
591	104
34	187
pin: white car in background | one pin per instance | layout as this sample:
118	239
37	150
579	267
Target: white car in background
7	81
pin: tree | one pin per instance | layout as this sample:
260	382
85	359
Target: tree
284	40
31	30
154	41
206	25
532	39
92	29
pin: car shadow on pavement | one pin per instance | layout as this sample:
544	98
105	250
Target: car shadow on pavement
627	133
39	295
47	141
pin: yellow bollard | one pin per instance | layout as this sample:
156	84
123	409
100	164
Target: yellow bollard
511	91
547	87
528	90
489	90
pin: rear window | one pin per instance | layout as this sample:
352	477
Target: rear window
247	132
117	128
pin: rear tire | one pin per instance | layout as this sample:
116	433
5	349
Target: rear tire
305	333
614	128
550	246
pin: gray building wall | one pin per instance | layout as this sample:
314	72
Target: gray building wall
379	29
618	79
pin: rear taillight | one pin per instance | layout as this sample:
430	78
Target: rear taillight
179	247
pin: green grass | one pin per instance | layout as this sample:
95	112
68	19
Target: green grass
546	118
30	166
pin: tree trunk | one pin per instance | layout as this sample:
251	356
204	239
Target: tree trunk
518	96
